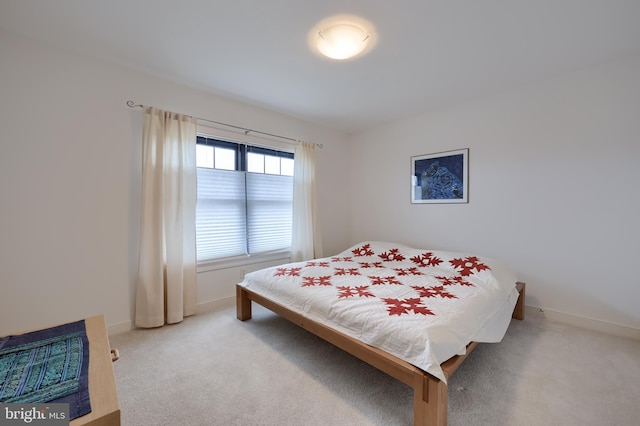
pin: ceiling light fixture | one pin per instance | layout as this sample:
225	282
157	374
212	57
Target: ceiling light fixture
342	37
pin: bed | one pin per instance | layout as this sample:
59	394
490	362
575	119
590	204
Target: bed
414	314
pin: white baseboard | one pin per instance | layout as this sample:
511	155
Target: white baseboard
214	305
201	308
122	327
590	324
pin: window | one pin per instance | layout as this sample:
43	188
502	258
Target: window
244	199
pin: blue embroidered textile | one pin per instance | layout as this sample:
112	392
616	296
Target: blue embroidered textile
47	366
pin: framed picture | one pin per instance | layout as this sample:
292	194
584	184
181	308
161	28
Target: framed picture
442	177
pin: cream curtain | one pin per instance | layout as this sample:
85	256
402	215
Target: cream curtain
166	284
306	242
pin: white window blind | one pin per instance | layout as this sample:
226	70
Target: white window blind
269	212
221	219
238	212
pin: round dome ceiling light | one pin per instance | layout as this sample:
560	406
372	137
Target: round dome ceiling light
342	37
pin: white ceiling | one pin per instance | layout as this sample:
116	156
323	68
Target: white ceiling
428	53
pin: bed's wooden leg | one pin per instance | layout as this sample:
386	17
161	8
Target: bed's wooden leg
430	403
518	312
243	304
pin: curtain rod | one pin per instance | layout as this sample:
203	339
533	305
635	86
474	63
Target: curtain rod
246	131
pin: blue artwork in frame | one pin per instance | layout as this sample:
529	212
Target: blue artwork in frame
442	177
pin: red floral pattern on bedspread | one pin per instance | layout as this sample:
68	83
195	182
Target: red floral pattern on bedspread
320	264
364	250
407	271
454	281
361	291
441	279
365	265
384	280
347	271
341	259
392	255
291	272
311	281
434	291
468	264
426	259
404	306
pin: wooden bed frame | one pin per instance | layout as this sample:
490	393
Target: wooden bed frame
430	399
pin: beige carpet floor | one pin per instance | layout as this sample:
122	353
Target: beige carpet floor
215	370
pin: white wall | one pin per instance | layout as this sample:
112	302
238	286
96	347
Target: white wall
70	182
553	190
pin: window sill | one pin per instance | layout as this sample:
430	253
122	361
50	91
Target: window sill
239	261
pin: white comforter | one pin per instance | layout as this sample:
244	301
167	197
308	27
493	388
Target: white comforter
423	306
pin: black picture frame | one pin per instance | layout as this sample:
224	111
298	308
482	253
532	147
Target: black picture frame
442	177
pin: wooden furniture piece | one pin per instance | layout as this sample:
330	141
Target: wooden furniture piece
430	398
518	312
105	408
